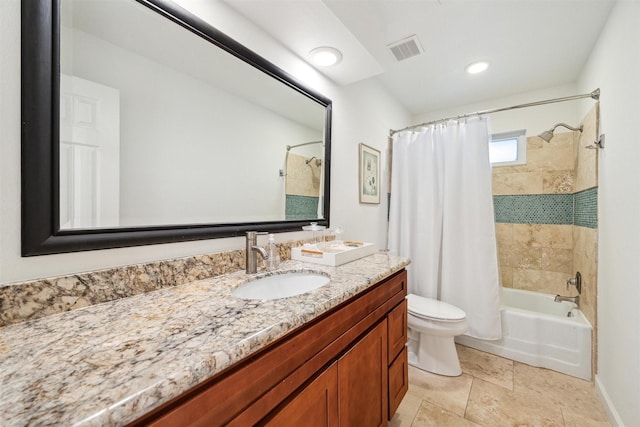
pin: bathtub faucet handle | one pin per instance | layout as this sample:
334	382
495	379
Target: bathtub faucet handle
575	281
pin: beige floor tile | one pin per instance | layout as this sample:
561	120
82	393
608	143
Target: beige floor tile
570	393
491	368
573	419
406	411
432	415
499	392
451	393
495	406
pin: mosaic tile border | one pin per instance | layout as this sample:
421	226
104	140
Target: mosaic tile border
580	209
585	210
301	207
534	209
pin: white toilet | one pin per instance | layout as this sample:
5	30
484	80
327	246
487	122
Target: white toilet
432	326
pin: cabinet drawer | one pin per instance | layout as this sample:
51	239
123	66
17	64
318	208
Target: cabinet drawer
398	381
397	330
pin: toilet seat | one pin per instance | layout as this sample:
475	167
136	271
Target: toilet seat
432	326
427	308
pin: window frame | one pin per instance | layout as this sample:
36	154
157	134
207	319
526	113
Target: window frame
521	136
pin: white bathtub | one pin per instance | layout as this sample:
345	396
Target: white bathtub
537	331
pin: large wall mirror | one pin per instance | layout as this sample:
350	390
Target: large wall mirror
143	124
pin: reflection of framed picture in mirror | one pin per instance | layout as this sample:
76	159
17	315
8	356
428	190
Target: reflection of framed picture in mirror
369	174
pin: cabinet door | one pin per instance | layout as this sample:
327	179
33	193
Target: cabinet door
315	406
398	381
362	381
397	330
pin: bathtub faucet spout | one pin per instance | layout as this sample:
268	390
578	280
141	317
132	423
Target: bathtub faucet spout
575	300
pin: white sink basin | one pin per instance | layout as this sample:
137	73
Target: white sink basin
281	285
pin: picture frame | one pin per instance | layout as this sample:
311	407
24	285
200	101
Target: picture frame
369	174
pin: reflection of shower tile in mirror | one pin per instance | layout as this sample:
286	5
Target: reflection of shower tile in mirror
303	179
301	207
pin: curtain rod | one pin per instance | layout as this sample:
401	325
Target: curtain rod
594	95
289	147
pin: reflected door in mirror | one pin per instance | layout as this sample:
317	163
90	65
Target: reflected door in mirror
89	154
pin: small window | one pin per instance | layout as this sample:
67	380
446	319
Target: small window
508	148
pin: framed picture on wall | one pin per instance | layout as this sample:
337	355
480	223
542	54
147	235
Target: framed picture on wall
369	174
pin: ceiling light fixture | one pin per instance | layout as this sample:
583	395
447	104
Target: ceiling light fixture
325	56
477	67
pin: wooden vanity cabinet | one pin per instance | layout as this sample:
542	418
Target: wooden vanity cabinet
347	367
352	392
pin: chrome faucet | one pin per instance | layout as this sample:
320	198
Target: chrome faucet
575	300
251	260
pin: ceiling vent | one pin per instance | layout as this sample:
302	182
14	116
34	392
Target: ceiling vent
406	48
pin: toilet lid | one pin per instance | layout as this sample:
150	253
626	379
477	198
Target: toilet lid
433	309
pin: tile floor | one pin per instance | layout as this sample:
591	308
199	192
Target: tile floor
493	391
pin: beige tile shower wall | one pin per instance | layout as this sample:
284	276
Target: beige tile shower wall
541	257
535	257
303	179
585	240
586	161
585	260
549	168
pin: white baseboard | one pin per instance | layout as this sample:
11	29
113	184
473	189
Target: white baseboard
608	405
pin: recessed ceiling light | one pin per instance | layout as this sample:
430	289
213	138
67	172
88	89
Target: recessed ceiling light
477	67
325	56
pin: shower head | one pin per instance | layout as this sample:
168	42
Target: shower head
318	161
548	134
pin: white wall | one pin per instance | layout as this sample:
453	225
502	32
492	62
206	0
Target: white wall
362	113
614	66
366	103
533	119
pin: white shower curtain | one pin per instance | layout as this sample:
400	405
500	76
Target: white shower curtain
441	217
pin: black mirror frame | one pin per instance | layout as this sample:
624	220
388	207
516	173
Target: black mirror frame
41	232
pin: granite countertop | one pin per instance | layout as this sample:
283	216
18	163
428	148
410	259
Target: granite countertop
109	364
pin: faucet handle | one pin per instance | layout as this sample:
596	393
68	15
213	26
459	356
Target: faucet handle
575	281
